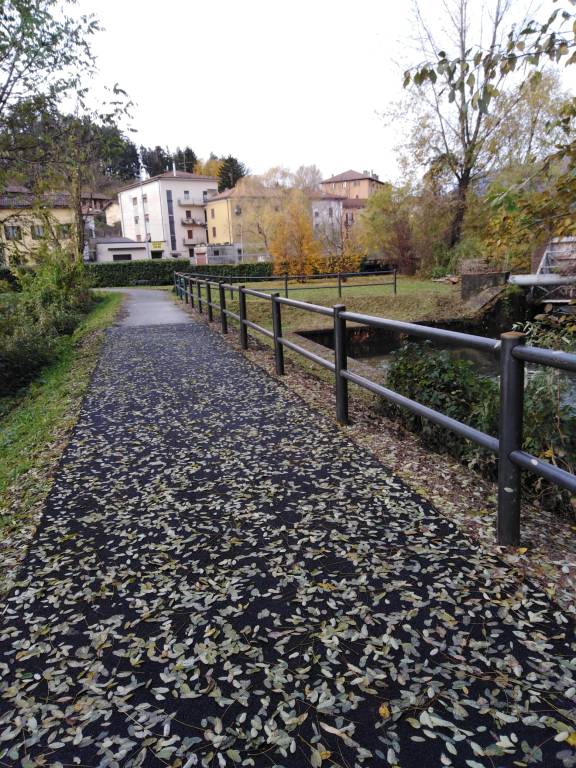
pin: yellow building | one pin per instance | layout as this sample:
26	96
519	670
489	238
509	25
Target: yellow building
236	216
352	185
28	220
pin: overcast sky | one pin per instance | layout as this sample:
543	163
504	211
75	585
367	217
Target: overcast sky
270	81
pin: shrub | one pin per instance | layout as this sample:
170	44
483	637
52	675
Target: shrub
432	377
161	272
53	299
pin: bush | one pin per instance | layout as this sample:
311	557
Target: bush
161	272
453	387
432	377
53	300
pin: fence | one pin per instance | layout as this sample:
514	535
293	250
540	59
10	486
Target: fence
510	348
340	277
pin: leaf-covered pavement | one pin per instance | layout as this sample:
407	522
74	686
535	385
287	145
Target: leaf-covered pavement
222	578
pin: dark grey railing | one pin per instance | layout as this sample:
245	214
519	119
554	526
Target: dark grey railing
510	348
286	279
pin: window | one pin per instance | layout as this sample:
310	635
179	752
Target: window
156	254
188	214
316	213
190	234
146	217
330	212
344	184
121	257
37	231
170	206
64	231
238	210
211	213
355	183
213	231
186	195
144	198
136	219
12	232
134	201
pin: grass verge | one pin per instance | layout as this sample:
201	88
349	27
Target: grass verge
35	428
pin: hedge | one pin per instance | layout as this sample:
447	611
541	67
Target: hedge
161	272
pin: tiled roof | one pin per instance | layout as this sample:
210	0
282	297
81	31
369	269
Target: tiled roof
351	176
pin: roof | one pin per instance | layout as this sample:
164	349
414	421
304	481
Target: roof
243	193
170	175
351	176
115	239
325	196
353	202
13	196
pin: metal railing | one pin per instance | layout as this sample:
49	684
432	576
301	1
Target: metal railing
510	349
340	277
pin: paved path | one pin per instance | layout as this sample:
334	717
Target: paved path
222	578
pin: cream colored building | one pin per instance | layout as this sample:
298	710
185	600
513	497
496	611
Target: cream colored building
26	221
166	212
352	185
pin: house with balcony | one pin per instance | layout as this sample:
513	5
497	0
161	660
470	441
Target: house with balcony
167	213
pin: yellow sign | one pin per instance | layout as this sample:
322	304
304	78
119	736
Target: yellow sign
157	245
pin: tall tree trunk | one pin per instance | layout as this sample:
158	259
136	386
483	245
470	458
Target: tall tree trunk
460	210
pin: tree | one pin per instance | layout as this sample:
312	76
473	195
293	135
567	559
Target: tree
307	178
44	54
210	167
472	77
293	246
385	227
185	159
117	154
231	171
458	130
156	160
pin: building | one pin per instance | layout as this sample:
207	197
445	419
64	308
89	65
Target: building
167	213
233	215
27	219
352	184
327	212
115	249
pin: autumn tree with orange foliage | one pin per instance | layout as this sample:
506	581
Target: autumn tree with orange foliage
293	246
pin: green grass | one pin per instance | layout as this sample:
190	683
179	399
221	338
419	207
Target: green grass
36	423
416	300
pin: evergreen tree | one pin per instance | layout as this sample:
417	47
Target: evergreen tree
231	171
156	160
185	159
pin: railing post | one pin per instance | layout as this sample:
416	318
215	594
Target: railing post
395	282
277	327
243	326
286	285
341	363
510	437
191	289
186	279
199	295
223	315
209	301
339	285
175	284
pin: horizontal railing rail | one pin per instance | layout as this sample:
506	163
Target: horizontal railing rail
510	349
304	280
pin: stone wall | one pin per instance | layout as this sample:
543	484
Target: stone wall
475	282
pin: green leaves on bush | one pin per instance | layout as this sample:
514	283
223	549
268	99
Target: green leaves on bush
454	387
161	272
52	302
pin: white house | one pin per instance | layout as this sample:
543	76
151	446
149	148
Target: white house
326	213
166	213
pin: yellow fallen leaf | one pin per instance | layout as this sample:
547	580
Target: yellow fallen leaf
522	550
325	754
572	739
384	710
326	585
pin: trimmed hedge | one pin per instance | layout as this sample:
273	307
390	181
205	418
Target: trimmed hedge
161	271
